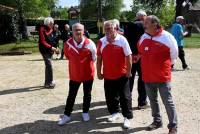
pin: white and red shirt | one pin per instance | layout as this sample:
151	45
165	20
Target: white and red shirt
81	59
158	53
113	56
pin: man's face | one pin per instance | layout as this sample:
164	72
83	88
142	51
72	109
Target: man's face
109	30
149	26
78	32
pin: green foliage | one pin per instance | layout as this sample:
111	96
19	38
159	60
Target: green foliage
110	9
165	11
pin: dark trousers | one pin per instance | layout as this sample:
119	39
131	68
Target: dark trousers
48	68
181	56
118	91
142	96
73	89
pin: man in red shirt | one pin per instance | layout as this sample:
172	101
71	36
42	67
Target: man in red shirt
114	55
158	50
47	49
81	54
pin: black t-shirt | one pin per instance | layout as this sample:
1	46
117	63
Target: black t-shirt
133	31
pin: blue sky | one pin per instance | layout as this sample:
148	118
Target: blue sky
69	3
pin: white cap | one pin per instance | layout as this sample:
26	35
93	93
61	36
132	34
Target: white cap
179	18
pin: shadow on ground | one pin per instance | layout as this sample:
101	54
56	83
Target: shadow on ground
20	90
97	125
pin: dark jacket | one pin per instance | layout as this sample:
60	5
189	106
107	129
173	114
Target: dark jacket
65	35
133	31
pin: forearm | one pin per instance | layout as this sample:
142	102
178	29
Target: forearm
128	63
99	65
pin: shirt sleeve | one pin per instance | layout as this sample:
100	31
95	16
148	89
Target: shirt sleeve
126	47
173	48
43	41
93	50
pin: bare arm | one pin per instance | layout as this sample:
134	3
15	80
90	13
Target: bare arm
99	66
128	65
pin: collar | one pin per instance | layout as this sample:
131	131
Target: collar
158	32
80	45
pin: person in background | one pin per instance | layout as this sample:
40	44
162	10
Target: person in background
81	54
47	49
114	54
56	38
178	33
119	30
65	35
158	51
133	32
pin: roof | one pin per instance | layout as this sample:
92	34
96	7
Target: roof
196	6
3	7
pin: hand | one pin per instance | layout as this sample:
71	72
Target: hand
57	51
136	58
100	76
53	49
128	74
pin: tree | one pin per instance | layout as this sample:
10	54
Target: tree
30	9
110	9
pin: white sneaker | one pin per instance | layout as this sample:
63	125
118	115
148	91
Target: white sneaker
114	117
85	116
64	120
126	123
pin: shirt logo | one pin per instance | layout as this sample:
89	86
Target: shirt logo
146	48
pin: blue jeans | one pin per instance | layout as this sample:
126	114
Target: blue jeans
165	93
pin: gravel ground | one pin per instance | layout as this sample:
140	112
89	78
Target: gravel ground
27	108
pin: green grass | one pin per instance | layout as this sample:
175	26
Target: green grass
32	45
25	45
192	42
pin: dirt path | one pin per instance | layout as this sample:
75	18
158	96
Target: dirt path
26	108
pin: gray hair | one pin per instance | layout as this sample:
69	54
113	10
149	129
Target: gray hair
116	21
141	13
111	22
77	24
155	20
48	20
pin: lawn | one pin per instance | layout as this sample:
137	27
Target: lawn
32	45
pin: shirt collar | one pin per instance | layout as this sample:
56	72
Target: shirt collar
79	45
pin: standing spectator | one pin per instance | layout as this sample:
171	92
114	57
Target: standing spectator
158	50
47	49
119	30
178	33
56	37
81	53
133	32
65	35
114	55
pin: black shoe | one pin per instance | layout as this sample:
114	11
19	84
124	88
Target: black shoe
143	106
154	125
172	131
50	86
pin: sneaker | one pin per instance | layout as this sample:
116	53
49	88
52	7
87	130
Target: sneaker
187	68
143	106
64	120
50	86
154	125
85	116
126	123
114	117
173	131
